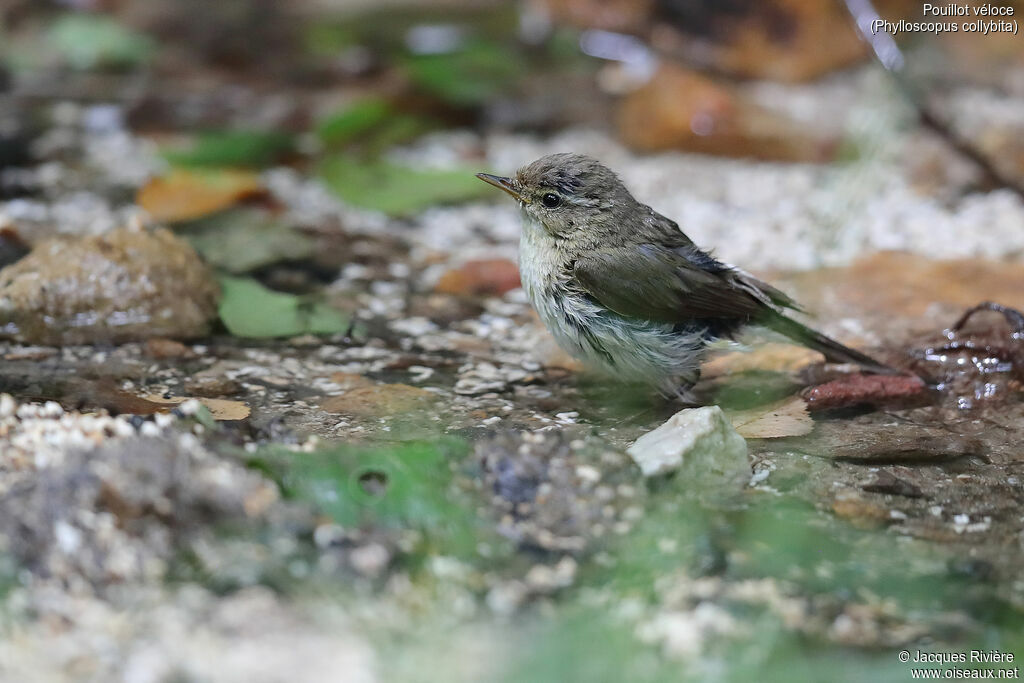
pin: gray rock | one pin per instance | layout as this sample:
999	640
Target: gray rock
557	493
700	441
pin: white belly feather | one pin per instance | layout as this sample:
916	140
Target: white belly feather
655	353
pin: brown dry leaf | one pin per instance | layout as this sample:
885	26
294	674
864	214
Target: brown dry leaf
857	389
682	109
784	40
861	513
220	408
898	285
487	277
627	16
351	380
184	195
771	357
778	420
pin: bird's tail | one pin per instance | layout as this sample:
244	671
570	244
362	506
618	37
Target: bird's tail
834	351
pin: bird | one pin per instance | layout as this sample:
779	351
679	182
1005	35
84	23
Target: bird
624	290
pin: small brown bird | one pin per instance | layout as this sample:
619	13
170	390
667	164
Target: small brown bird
623	289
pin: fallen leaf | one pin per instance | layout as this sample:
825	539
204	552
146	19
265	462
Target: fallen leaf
248	309
398	190
621	16
184	195
899	285
373	123
221	409
379	400
351	380
104	394
491	277
778	420
243	239
355	119
398	486
682	109
233	148
857	389
470	76
87	40
770	357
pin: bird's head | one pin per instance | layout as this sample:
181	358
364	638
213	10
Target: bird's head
571	195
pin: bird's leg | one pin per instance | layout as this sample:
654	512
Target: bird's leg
681	389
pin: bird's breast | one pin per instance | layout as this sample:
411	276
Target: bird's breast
539	259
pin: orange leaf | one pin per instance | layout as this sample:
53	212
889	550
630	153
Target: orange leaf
186	195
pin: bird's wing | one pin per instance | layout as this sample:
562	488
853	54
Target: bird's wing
672	284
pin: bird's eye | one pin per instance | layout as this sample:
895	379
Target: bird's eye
551	200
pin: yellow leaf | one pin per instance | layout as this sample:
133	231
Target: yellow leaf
220	408
771	357
784	418
184	195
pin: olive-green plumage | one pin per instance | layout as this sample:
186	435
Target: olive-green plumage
622	287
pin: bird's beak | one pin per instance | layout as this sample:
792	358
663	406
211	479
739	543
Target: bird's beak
501	183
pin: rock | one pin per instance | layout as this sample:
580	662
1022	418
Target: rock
868	443
370	560
557	493
486	277
211	385
698	441
163	349
681	109
128	284
863	514
888	483
121	511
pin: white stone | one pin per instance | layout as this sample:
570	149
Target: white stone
699	440
370	560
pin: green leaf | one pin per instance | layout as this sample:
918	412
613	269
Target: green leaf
404	487
248	309
354	120
246	148
398	190
243	239
88	41
327	40
469	77
373	123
